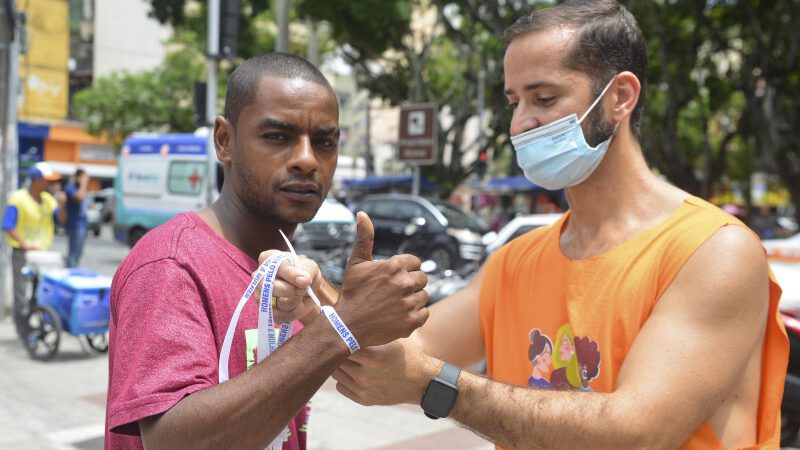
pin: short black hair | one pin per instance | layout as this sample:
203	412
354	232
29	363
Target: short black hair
79	172
243	83
609	42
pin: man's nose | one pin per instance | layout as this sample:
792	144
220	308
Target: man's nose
522	121
303	159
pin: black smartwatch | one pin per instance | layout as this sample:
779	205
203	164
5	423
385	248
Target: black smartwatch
440	396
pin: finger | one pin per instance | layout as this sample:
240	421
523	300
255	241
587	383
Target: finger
344	390
365	357
422	316
349	365
420	299
283	289
420	279
263	256
310	266
343	378
408	262
288	304
365	238
296	276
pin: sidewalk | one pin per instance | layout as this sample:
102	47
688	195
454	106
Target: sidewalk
61	405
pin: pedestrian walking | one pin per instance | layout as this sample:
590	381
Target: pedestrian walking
77	223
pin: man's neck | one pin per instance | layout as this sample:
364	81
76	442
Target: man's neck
36	192
619	200
230	219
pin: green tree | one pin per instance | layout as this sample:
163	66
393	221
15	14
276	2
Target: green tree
762	34
158	100
687	97
721	95
724	83
439	63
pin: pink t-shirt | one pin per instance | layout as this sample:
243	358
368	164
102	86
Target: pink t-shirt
172	299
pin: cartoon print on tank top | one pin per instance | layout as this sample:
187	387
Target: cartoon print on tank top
570	361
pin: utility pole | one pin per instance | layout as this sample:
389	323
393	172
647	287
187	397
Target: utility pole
481	91
313	43
283	26
368	138
211	97
10	36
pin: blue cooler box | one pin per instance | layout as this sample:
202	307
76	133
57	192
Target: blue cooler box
80	297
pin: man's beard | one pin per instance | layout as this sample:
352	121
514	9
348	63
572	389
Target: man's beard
599	130
264	207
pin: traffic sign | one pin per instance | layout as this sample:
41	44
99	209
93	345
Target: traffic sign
417	143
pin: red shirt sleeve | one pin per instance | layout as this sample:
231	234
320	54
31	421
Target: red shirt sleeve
162	345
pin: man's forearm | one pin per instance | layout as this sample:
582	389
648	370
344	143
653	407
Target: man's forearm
83	187
16	236
251	409
518	417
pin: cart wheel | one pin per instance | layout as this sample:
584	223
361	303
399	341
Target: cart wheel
43	333
99	342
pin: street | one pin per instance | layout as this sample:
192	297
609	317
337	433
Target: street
61	404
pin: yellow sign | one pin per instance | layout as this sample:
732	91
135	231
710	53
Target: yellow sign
44	72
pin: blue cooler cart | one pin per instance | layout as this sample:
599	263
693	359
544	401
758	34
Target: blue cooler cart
73	300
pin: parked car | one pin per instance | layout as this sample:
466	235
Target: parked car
334	226
94	218
429	229
783	250
788	276
446	283
516	228
104	201
784	259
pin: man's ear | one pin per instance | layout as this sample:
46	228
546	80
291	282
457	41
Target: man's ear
224	139
625	95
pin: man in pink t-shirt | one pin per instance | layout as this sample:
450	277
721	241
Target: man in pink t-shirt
174	296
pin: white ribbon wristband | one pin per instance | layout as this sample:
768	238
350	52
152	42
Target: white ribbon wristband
341	328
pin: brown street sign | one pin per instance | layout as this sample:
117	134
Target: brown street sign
417	143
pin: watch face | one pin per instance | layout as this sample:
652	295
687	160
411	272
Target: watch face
438	399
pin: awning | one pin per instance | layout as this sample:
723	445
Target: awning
33	130
94	170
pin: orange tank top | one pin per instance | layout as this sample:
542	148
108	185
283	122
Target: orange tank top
587	313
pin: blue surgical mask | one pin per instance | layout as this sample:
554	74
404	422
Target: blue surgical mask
556	155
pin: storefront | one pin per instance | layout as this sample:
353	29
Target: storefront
66	147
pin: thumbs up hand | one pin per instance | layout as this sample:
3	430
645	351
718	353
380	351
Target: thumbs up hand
365	238
383	300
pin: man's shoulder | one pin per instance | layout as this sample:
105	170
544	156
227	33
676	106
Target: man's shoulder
701	221
18	196
164	242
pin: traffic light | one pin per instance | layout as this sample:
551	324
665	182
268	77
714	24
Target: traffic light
228	28
200	104
481	162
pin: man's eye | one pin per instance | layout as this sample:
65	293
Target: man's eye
328	143
274	137
513	106
546	100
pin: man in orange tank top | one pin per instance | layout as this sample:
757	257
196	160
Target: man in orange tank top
644	318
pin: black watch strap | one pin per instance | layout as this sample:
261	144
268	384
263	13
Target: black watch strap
449	374
440	396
